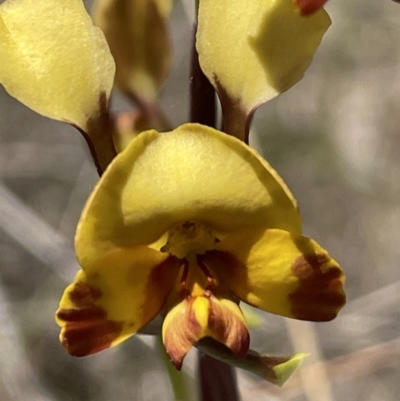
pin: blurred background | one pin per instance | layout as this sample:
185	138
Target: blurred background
335	139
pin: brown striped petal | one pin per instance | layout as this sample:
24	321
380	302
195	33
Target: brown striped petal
198	317
280	272
114	298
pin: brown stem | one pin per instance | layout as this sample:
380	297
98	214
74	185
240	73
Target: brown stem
236	119
237	122
98	136
202	93
217	380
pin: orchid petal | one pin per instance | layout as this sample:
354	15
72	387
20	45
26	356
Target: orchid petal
253	50
280	272
113	298
54	60
198	317
191	173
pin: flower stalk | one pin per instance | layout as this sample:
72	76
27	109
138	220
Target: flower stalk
99	137
202	93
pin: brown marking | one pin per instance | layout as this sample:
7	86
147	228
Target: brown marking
82	314
228	329
308	7
82	338
99	128
320	294
184	289
189	225
211	281
181	334
193	326
305	266
163	271
87	329
236	119
225	266
84	294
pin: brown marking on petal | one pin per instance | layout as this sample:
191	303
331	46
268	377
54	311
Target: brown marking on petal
87	329
224	265
84	294
83	297
228	329
82	314
165	272
194	327
320	294
305	266
82	338
162	271
308	7
181	334
184	330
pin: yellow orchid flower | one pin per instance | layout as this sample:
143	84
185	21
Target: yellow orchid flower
187	224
